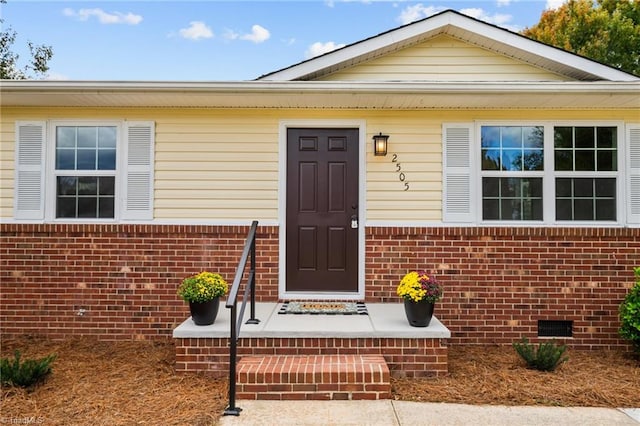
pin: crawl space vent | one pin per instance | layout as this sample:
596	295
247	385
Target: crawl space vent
555	328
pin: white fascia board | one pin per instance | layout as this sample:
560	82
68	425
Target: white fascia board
545	51
439	24
301	87
360	48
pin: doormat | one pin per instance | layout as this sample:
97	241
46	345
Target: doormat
324	308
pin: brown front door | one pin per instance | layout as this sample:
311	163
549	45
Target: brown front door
322	210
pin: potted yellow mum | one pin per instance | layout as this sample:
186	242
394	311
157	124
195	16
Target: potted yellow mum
203	292
420	293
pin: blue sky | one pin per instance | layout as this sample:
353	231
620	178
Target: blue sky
220	40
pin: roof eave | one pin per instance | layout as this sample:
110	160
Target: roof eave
454	23
300	94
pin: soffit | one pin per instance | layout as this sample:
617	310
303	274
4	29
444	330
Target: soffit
329	95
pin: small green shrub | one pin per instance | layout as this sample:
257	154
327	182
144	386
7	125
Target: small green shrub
26	373
630	315
547	357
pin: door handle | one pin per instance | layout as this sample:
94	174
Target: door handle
354	222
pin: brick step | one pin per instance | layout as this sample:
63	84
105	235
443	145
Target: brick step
317	377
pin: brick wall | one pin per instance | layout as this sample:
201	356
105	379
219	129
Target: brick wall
119	281
406	357
500	281
115	281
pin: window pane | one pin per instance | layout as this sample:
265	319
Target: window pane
106	185
576	199
512	160
607	161
88	207
563	187
87	186
65	159
491	187
65	137
107	159
490	137
490	160
585	161
533	159
511	137
86	159
511	210
66	207
563	137
606	209
87	137
106	207
491	209
605	188
107	137
585	137
583	209
583	187
564	209
78	196
66	185
563	160
533	137
509	187
518	199
607	137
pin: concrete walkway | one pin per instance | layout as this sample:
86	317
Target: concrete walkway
390	413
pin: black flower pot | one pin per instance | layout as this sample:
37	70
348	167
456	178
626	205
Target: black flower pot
418	313
204	313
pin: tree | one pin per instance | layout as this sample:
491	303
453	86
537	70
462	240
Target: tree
607	31
9	68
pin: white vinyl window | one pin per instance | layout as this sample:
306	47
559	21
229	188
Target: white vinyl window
574	172
84	171
549	173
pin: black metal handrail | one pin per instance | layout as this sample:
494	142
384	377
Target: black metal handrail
236	321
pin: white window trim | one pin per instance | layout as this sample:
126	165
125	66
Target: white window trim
549	175
50	172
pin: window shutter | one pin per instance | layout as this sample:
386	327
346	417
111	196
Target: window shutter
138	185
29	171
457	167
633	173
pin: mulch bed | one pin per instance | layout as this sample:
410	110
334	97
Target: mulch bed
125	383
497	376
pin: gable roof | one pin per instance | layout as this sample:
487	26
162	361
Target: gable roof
457	25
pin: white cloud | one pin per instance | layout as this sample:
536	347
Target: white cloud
319	48
197	30
503	3
416	12
258	34
103	17
554	4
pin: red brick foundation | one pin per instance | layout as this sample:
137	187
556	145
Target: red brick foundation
500	281
118	281
313	377
405	357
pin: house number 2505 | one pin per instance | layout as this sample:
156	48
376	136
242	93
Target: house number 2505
401	176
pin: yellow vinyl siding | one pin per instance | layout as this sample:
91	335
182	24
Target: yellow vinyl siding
222	165
444	58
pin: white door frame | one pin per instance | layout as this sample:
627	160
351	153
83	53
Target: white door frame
282	203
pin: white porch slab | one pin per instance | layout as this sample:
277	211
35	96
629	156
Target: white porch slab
385	320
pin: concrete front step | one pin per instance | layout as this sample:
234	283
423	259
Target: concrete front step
313	377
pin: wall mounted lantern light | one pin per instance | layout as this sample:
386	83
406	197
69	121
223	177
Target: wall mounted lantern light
380	144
